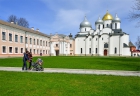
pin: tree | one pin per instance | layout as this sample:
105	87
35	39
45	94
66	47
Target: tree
135	12
137	43
12	18
19	21
23	22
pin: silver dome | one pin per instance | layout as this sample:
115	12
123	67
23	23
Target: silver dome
85	23
99	21
116	19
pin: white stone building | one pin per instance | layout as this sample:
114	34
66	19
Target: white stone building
61	45
107	39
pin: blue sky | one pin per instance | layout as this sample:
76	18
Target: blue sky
65	16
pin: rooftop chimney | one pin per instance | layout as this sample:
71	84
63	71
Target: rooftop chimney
32	28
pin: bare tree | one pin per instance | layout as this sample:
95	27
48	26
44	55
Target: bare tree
137	43
12	18
23	22
20	21
135	12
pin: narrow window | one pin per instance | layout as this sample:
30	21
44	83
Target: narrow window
16	38
115	25
85	29
3	36
107	25
37	42
40	42
102	38
34	41
30	50
43	43
96	50
96	39
21	50
81	50
103	25
99	27
4	49
46	43
46	51
10	37
70	45
10	49
26	40
89	50
34	51
30	40
37	51
16	50
115	50
21	39
56	45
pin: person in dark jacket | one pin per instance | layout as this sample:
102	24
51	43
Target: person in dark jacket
30	58
25	58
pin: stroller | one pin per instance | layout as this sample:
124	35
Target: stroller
37	66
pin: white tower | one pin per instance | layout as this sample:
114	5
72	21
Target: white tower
116	23
99	24
85	25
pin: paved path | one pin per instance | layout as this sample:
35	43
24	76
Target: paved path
77	71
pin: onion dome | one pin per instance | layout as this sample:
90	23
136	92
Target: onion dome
107	16
116	19
85	23
99	21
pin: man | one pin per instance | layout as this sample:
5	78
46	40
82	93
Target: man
25	58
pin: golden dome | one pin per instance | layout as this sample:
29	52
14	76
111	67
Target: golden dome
107	16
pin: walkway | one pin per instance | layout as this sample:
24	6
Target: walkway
77	71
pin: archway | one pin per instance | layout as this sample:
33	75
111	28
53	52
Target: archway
105	52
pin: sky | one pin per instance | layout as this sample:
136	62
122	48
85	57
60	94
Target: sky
65	16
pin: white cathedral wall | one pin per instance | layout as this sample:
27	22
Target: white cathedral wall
107	22
114	42
83	29
80	43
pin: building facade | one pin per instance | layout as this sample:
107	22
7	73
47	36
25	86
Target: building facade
107	39
14	40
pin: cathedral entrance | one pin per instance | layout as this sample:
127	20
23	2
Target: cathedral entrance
105	52
57	52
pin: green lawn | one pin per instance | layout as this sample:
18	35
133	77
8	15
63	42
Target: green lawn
103	63
52	84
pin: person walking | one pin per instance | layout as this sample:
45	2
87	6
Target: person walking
25	58
30	58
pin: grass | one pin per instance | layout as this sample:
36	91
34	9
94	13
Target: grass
46	84
102	63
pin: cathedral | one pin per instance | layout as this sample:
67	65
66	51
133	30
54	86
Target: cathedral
108	39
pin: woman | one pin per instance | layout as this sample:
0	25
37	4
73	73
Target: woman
30	58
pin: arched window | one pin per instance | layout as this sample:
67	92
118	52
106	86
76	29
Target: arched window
105	45
99	27
115	51
103	25
115	25
85	29
81	50
107	25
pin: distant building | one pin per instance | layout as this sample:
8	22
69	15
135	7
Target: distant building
107	39
14	40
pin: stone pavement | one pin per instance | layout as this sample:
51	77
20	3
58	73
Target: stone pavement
77	71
